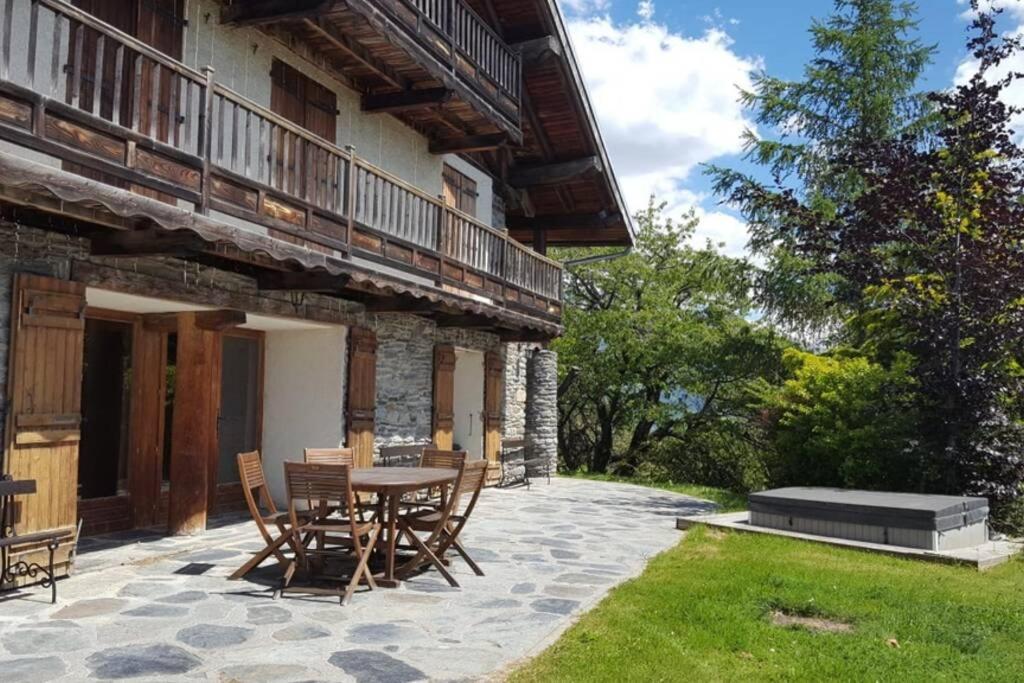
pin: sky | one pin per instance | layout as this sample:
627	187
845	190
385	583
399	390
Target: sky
663	77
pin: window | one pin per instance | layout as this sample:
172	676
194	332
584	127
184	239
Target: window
459	190
303	101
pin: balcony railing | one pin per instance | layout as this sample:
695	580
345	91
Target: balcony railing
470	46
115	109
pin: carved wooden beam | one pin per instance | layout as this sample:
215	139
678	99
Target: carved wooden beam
554	173
472	143
539	50
555	222
315	281
259	12
150	242
216	321
407	100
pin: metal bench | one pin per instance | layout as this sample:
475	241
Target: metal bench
516	468
10	539
402	456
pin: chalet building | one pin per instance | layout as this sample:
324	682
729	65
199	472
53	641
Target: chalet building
271	224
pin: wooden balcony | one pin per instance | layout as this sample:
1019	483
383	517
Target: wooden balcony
435	64
165	130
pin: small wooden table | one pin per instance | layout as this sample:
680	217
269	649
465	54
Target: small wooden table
390	483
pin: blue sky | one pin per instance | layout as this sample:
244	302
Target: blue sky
663	76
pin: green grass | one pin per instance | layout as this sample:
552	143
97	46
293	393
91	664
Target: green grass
727	501
700	612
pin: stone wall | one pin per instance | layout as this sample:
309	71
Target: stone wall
514	418
542	408
405	374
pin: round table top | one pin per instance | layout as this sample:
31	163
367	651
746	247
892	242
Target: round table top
400	479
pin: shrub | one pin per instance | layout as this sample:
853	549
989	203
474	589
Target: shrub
842	421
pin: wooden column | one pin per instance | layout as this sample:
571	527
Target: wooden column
494	400
194	426
540	241
148	389
444	395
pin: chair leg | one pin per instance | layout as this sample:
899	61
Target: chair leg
257	559
362	569
428	554
454	543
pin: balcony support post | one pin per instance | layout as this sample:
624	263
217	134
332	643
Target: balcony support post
206	99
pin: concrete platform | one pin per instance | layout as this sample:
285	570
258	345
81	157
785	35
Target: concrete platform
982	557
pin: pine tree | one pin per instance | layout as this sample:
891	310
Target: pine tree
860	87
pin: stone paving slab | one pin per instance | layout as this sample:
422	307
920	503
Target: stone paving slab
152	608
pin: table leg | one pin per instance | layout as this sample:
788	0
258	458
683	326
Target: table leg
391	541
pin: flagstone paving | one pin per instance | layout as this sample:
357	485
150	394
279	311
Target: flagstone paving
156	608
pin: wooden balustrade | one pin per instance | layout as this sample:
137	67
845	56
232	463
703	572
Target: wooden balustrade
474	49
114	109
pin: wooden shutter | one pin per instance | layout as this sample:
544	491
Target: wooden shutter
362	393
494	383
444	395
308	104
45	391
459	190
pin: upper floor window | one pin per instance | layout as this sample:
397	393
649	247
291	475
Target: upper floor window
459	190
303	101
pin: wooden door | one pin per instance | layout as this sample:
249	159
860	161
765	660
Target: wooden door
362	394
444	395
44	389
494	387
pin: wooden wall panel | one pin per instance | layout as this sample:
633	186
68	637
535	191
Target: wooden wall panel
44	391
494	394
362	394
444	395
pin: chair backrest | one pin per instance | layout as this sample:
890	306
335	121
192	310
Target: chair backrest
330	485
451	460
254	484
468	486
9	488
330	456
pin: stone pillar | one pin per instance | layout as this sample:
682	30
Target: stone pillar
542	408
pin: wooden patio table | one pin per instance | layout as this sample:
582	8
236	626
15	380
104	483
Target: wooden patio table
390	483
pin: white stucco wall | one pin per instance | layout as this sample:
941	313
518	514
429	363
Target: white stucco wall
303	397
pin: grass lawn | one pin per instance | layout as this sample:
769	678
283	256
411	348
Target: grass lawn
701	611
726	500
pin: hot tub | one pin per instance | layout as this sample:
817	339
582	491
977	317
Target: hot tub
911	520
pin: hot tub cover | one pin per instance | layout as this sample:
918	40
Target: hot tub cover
879	508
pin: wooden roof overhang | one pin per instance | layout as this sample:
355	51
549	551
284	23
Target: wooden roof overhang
121	223
401	63
561	184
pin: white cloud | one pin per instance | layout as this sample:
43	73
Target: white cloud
666	103
1014	94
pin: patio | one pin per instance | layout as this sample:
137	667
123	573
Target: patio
162	607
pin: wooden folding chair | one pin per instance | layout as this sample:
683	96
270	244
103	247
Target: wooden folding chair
333	485
254	486
329	456
434	457
444	525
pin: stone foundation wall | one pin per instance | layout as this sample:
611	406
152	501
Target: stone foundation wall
405	374
542	408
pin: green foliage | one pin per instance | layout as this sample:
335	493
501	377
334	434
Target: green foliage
860	87
842	421
659	345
